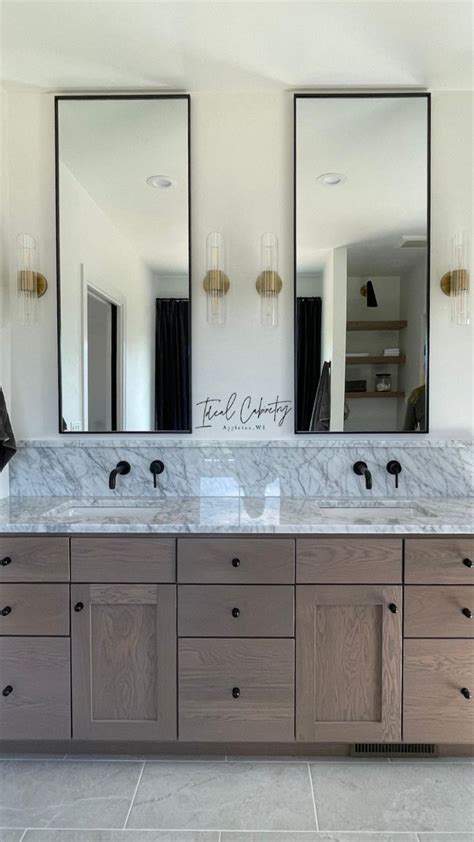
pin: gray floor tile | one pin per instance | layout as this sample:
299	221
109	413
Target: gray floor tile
59	794
10	835
392	797
220	796
446	837
119	836
318	837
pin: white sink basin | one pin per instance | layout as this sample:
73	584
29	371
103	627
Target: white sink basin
117	511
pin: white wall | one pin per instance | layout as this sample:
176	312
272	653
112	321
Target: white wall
242	178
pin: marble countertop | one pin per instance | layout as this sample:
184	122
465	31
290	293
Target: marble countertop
236	515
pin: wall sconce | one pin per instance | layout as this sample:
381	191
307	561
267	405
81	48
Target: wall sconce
367	291
31	284
456	282
216	283
269	283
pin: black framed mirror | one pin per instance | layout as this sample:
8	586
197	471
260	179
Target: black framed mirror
362	255
123	263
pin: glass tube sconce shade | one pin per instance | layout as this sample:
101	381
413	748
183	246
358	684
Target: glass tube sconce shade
456	283
216	283
31	285
269	283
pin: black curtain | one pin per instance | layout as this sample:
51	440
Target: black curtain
308	357
172	364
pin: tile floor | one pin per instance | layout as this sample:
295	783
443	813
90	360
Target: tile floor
130	799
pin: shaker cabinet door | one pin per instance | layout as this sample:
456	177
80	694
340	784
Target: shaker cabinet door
348	663
124	661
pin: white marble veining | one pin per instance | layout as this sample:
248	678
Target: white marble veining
238	515
296	468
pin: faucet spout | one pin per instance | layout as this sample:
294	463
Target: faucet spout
122	468
361	469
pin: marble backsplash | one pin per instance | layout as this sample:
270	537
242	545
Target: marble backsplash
294	468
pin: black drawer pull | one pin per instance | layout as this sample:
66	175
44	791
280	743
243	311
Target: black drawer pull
466	693
78	606
236	692
467	613
236	612
6	611
467	562
5	561
393	608
236	562
7	690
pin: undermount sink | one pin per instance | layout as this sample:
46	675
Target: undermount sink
119	511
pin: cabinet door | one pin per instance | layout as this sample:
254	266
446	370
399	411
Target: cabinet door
348	663
124	661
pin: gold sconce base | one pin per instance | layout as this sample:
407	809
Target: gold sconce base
216	281
460	276
363	291
32	281
269	283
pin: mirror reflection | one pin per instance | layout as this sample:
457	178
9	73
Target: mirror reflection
361	263
123	271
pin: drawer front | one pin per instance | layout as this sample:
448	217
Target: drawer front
235	611
34	609
136	560
37	670
436	611
439	561
435	673
34	559
232	690
349	560
236	561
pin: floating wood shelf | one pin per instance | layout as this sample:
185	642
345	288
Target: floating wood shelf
392	325
401	360
375	395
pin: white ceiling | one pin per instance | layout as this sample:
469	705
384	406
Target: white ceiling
380	145
112	147
76	44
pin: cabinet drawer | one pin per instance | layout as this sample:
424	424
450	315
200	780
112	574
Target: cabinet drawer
123	560
236	561
231	690
35	559
235	611
435	673
436	611
38	705
349	560
439	561
34	609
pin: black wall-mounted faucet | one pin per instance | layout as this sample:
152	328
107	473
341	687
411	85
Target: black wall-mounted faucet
156	467
121	468
394	468
361	469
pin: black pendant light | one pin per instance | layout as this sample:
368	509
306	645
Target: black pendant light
371	299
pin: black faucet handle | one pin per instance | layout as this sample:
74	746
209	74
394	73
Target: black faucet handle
394	468
157	467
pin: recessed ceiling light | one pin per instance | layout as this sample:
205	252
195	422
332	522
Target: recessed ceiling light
331	179
161	181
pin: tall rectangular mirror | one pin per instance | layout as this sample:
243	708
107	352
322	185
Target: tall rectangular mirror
123	263
361	263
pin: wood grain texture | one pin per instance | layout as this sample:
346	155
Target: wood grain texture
38	609
265	610
376	325
434	708
123	559
348	663
210	669
262	560
349	560
124	662
39	707
436	611
34	559
438	561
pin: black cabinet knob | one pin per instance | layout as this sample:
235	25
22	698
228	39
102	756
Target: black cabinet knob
5	561
236	562
466	693
236	692
236	612
467	613
6	611
7	690
78	606
467	562
393	608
